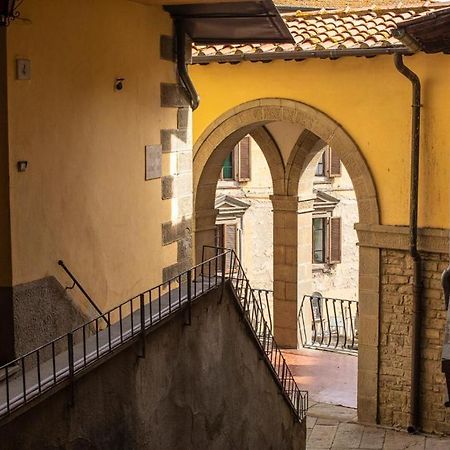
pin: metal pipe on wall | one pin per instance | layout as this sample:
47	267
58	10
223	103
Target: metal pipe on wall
414	415
194	99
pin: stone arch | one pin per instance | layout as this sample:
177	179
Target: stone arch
208	160
222	134
211	149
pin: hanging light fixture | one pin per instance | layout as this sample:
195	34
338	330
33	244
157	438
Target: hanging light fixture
8	12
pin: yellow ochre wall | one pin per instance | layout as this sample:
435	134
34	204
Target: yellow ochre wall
371	101
83	198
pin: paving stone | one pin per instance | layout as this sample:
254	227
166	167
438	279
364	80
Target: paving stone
326	411
398	440
434	443
310	422
348	435
322	436
323	421
373	437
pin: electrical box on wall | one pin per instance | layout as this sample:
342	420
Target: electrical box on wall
23	69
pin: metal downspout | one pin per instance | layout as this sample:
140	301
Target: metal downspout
194	99
414	415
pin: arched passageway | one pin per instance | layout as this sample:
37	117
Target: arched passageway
291	134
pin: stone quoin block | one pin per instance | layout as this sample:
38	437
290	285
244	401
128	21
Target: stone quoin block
173	96
183	118
172	232
175	141
167	48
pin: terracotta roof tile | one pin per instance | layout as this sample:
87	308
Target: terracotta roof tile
329	30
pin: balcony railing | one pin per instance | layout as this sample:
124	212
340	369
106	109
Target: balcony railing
57	363
329	323
265	299
252	308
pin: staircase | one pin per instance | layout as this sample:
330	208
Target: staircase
56	364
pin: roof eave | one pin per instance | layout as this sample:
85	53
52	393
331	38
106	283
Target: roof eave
300	55
249	21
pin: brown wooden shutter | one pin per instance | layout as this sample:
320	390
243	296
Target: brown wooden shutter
235	159
230	236
219	235
334	164
335	240
244	159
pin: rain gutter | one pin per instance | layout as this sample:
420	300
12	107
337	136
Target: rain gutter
299	55
414	414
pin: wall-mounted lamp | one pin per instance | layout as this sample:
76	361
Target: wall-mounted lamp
8	12
118	84
22	166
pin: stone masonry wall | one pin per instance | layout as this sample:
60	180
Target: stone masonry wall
204	386
395	342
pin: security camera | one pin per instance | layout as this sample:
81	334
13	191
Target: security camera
118	84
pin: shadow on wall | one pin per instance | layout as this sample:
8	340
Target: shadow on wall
43	311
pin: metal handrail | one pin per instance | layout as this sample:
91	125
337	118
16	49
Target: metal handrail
329	323
253	313
81	288
62	359
265	297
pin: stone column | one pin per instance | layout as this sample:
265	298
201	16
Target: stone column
285	267
305	211
6	291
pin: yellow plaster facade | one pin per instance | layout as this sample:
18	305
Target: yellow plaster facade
83	197
372	103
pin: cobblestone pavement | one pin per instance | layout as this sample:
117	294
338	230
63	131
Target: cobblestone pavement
336	427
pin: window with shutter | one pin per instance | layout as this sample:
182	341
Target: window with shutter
335	240
228	167
244	160
321	166
319	240
334	164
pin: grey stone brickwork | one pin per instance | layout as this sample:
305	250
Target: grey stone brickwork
167	48
395	342
176	186
175	140
173	96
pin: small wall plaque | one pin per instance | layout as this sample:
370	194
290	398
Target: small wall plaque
153	159
23	69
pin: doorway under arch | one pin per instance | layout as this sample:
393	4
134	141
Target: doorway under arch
272	123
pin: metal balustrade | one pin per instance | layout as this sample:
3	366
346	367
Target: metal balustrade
57	363
329	323
265	299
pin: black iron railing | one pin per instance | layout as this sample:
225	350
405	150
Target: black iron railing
81	288
329	323
58	362
265	299
252	308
